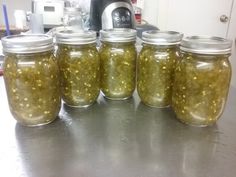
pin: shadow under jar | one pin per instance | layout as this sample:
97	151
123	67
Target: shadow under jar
79	66
118	63
156	65
202	80
31	79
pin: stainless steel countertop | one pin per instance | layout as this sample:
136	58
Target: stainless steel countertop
117	139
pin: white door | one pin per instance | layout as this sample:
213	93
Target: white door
199	17
196	17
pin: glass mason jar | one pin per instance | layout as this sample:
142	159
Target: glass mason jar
202	79
79	66
73	18
156	64
31	79
118	63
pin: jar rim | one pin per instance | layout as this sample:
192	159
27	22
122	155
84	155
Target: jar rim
27	43
118	35
157	37
206	45
76	37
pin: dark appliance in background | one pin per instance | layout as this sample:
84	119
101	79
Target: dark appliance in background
107	14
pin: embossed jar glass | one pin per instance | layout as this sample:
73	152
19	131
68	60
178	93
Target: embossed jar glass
202	80
31	79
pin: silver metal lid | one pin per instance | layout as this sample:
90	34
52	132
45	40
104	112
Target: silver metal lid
156	37
206	45
75	37
30	43
118	35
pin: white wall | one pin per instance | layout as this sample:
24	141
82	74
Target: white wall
232	35
150	11
14	5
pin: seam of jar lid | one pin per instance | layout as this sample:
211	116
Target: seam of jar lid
29	50
76	34
204	51
11	46
203	44
120	41
156	37
121	35
6	40
161	43
118	31
76	38
75	42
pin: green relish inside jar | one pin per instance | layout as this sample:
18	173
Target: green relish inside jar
79	65
156	65
202	80
118	63
31	78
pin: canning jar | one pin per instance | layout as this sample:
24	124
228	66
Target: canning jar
31	79
79	66
156	64
202	79
73	18
118	63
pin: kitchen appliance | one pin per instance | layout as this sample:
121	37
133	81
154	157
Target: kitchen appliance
108	14
52	11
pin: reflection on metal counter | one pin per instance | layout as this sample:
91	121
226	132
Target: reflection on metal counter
118	138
